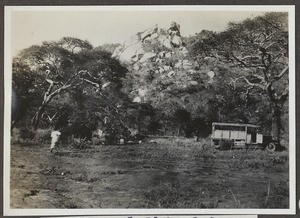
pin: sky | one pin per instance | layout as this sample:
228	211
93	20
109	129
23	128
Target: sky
100	27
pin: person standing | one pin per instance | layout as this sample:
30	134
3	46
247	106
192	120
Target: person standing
54	139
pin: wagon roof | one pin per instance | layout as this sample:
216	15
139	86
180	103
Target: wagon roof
235	124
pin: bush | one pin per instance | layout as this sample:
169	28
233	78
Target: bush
43	136
15	135
79	144
22	135
97	141
27	134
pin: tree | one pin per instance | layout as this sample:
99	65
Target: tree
24	94
64	66
256	50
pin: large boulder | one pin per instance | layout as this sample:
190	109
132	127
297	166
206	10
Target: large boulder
176	41
165	41
129	52
135	48
147	56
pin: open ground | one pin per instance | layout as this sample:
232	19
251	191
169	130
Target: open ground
166	173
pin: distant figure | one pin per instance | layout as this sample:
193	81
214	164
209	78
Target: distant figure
55	136
100	133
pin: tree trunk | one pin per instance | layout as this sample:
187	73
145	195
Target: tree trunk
276	122
178	130
37	116
47	98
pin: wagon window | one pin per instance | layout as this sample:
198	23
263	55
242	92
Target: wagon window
252	130
236	128
259	130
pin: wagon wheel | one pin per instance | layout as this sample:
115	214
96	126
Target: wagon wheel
271	146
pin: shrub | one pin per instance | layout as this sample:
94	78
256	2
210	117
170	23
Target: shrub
97	141
15	135
43	136
79	144
27	134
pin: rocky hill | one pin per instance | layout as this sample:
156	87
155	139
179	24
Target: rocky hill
158	60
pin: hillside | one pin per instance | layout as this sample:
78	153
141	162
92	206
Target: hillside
158	62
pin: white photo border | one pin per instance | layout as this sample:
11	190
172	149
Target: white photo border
7	111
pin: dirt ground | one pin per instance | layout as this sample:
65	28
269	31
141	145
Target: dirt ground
167	173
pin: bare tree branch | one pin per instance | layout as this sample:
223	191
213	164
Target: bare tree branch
259	77
284	95
95	78
47	93
57	91
93	83
281	74
248	82
240	61
51	118
250	57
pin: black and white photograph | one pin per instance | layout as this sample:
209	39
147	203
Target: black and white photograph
149	109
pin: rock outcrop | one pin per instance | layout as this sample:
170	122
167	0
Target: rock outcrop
158	60
133	50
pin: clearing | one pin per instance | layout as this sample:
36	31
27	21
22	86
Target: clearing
169	173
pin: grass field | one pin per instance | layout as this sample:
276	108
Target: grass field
167	173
